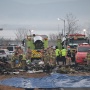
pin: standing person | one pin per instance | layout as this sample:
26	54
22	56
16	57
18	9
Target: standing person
48	55
57	51
45	56
88	57
29	53
73	56
13	59
68	61
63	53
20	53
53	57
23	61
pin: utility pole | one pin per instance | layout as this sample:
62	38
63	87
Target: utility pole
63	30
64	25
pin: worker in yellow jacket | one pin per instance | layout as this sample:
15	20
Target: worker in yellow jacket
64	53
57	52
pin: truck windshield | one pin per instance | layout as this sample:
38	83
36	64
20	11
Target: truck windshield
83	49
39	44
73	45
78	41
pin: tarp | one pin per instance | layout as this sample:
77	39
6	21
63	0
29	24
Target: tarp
51	81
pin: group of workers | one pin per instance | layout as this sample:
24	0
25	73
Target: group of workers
50	56
59	57
67	56
64	56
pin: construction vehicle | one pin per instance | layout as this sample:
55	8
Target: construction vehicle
73	40
36	43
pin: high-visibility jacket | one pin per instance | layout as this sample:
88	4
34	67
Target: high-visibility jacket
63	52
24	57
57	51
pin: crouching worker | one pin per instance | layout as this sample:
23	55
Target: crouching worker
88	57
13	60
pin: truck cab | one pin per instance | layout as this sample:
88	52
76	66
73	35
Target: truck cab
73	40
81	53
36	43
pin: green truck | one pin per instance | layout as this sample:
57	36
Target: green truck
36	43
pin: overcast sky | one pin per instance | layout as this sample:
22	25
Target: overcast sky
40	15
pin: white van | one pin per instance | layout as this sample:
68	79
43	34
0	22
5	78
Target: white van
11	48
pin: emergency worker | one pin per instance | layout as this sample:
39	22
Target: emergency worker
42	54
29	53
20	51
88	57
23	61
68	59
68	47
13	59
52	57
16	50
64	53
48	55
57	52
73	56
45	56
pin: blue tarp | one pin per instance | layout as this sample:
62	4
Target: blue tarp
51	81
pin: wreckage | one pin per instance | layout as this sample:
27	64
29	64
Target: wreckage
5	68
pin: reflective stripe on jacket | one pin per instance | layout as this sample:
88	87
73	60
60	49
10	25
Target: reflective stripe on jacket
24	57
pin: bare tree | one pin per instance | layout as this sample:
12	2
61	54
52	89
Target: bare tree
53	37
21	34
72	26
4	42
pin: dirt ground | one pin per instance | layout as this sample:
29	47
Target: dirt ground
2	77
